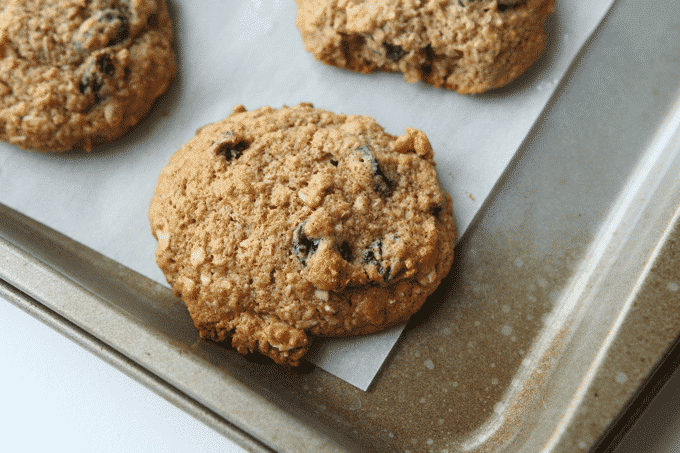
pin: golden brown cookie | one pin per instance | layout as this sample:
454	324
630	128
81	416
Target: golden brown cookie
276	224
469	46
75	73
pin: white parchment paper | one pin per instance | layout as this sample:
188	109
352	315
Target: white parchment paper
250	52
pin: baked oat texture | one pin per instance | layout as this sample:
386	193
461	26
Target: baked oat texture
274	225
74	73
469	46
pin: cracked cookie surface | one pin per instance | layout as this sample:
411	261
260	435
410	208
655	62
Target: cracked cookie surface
278	225
469	46
74	73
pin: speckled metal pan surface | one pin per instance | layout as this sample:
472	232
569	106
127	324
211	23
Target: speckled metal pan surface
566	290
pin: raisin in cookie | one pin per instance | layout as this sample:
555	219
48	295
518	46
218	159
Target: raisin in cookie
75	73
469	46
274	225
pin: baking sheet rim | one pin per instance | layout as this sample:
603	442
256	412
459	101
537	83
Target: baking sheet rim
129	367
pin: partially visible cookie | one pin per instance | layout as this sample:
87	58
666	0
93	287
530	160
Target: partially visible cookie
469	46
274	225
74	73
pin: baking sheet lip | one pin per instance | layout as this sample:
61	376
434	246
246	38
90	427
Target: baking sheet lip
665	142
661	370
130	368
640	400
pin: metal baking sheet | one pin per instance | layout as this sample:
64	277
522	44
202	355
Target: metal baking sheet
244	52
566	287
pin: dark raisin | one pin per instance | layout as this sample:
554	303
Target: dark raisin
89	83
334	162
345	251
437	210
464	3
303	246
382	184
346	51
504	7
370	257
118	19
94	76
429	52
152	21
105	65
385	273
426	68
393	52
231	150
351	45
111	23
